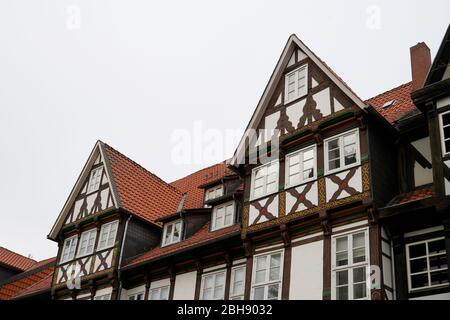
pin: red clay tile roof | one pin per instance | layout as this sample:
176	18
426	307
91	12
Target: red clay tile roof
141	192
190	184
203	236
42	285
403	103
419	194
14	260
26	279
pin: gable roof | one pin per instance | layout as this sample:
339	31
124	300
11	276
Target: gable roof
134	189
42	285
292	43
441	61
402	107
24	280
13	260
191	184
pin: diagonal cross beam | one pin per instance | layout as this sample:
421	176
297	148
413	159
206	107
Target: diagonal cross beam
283	122
343	185
103	262
310	112
301	198
263	210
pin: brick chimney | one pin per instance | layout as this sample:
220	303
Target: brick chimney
420	64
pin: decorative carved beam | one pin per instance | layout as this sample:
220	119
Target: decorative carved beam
285	235
248	246
325	223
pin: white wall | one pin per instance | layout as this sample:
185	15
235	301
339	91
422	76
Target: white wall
307	272
185	286
442	296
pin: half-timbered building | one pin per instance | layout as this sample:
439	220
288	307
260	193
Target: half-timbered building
327	196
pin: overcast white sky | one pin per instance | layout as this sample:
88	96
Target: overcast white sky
132	73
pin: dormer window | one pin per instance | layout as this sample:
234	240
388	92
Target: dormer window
223	216
108	234
213	193
296	84
172	232
94	180
87	242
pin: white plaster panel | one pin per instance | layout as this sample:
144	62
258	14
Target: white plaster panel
312	196
355	182
307	272
322	99
185	286
300	55
443	296
273	209
295	111
160	283
270	124
337	105
443	102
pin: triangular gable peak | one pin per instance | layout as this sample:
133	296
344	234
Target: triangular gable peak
440	70
93	192
301	91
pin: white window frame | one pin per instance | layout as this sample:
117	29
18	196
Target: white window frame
80	246
106	296
267	282
217	190
441	130
171	241
265	193
95	184
428	271
239	295
106	246
134	296
214	215
214	275
298	93
350	266
159	290
73	242
300	166
341	151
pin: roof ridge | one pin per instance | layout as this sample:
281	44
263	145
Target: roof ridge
390	90
205	168
141	167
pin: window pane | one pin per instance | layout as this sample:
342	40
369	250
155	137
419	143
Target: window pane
176	232
294	160
439	277
359	255
333	154
307	174
309	154
334	164
207	294
275	260
294	179
259	293
342	293
419	280
446	119
359	274
274	274
341	278
438	262
359	291
437	246
350	154
418	265
333	144
260	276
164	293
154	294
417	250
272	294
349	139
447	132
208	282
447	146
220	278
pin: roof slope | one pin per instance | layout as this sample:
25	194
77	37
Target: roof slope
418	194
191	183
140	192
40	286
27	279
14	260
201	237
403	103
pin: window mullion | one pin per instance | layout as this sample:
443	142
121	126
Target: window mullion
428	264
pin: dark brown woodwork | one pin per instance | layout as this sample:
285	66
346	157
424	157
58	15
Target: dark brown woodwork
198	279
263	210
171	271
343	185
400	267
327	267
286	273
248	277
229	264
301	198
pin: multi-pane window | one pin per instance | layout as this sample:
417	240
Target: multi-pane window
427	264
342	151
87	243
300	166
213	193
237	283
350	267
296	84
94	180
267	274
69	247
172	232
445	132
265	180
213	286
136	296
161	293
108	234
223	216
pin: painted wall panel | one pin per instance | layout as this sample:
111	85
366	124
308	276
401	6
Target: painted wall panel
185	286
307	272
443	296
